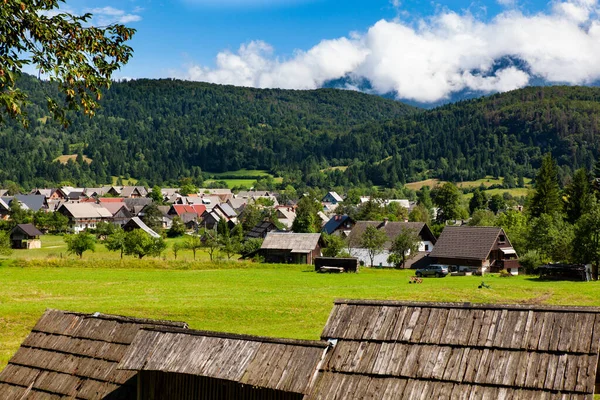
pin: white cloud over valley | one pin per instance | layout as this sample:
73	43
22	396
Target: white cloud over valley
429	60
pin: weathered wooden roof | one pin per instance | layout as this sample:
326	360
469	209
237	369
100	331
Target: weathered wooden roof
73	355
407	350
296	242
280	364
470	242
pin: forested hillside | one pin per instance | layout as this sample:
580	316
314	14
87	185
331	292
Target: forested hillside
163	130
497	135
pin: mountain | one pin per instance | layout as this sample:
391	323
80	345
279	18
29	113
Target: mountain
163	130
502	134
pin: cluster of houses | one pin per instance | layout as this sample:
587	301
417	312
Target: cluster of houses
367	350
484	248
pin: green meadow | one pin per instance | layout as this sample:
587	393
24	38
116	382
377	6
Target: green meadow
261	299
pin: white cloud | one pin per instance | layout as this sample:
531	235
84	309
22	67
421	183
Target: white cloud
435	57
110	15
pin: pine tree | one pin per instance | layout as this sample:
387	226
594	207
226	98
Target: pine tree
578	195
546	199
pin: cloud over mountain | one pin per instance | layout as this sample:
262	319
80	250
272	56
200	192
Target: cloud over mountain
432	58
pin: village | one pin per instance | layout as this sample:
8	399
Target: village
465	249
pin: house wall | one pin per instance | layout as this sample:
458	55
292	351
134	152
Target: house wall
173	386
80	225
381	258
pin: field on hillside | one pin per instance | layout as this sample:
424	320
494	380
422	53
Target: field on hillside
240	178
273	300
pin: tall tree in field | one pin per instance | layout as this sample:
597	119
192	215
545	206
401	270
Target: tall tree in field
116	241
586	244
404	247
578	195
193	243
373	241
64	47
140	244
5	245
546	199
478	201
80	243
307	219
447	199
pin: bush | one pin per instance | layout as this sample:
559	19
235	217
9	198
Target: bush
530	261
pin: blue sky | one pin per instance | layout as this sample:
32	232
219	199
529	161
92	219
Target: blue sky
302	43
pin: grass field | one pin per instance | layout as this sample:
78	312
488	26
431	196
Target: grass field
274	300
240	178
54	247
64	159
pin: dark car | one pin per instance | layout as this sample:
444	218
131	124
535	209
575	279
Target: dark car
439	271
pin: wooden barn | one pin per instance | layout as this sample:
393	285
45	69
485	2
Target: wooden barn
25	236
291	248
478	247
405	350
180	364
72	355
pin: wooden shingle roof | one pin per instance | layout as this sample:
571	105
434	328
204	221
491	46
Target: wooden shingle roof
470	242
296	242
279	364
73	355
407	350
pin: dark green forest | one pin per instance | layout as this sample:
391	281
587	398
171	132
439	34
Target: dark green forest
162	130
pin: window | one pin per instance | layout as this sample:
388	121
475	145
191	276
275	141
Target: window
502	239
426	247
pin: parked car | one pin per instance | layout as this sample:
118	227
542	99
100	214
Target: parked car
439	271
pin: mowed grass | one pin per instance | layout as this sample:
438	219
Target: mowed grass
231	183
260	299
241	178
54	246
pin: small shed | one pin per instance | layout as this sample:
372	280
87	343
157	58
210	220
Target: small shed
25	236
137	223
181	364
291	248
339	264
71	355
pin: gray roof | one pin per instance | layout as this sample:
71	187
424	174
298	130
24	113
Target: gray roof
86	210
137	202
73	355
137	223
34	202
227	210
28	229
279	364
392	230
470	242
406	350
127	191
296	242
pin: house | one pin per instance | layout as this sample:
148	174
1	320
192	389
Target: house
134	192
137	223
166	218
32	202
211	218
476	247
84	215
180	209
339	225
285	215
4	208
410	350
291	248
120	212
216	365
136	204
223	194
25	236
73	355
237	204
332	198
392	230
261	230
367	350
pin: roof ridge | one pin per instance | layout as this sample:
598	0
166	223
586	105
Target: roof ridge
469	305
121	318
239	336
